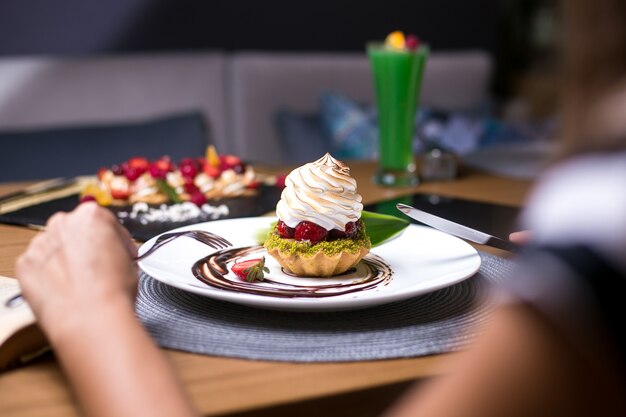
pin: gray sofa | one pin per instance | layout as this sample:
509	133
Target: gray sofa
238	93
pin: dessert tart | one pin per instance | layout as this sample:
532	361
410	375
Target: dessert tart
319	232
194	180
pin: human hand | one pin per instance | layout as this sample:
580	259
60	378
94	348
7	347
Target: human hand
521	238
79	266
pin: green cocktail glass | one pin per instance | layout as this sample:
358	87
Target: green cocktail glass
397	80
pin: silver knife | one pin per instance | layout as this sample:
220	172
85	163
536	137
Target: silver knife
458	230
40	187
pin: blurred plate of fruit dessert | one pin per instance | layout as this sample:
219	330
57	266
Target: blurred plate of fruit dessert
149	196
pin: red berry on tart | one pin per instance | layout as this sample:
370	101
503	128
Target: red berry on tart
310	231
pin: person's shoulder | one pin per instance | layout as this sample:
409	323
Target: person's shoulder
593	173
582	201
592	166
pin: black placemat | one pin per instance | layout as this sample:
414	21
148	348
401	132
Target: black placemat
441	321
264	202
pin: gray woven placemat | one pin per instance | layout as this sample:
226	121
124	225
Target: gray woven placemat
441	321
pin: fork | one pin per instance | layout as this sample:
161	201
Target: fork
208	238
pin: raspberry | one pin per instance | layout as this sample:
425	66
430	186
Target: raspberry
188	180
335	234
310	231
117	169
131	173
157	172
198	198
87	198
412	42
285	231
280	181
239	168
191	188
349	231
188	168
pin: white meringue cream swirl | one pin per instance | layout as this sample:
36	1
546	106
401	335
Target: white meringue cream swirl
322	192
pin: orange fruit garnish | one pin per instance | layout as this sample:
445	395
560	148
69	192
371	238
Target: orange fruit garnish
395	40
212	158
102	197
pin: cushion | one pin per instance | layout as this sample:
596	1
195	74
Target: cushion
342	127
348	130
41	92
352	128
71	151
302	136
262	83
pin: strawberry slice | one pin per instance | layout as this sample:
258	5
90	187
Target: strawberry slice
101	173
138	164
120	188
120	194
250	270
211	171
165	164
229	161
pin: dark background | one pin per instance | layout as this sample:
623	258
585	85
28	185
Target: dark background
95	26
87	27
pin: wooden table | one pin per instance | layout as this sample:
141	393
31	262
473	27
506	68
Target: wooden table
235	387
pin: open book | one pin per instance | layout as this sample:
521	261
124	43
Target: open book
20	338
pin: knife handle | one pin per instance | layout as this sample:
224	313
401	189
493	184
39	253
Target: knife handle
506	245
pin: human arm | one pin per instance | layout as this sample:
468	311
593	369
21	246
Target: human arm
80	281
519	367
550	349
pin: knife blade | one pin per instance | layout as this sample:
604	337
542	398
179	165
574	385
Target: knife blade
458	230
40	187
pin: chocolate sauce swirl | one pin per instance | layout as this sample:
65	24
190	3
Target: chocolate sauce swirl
213	270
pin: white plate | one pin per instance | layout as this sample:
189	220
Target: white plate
422	260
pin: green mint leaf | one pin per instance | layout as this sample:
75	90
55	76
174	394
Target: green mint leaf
260	236
382	227
169	191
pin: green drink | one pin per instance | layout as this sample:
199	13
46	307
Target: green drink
397	81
